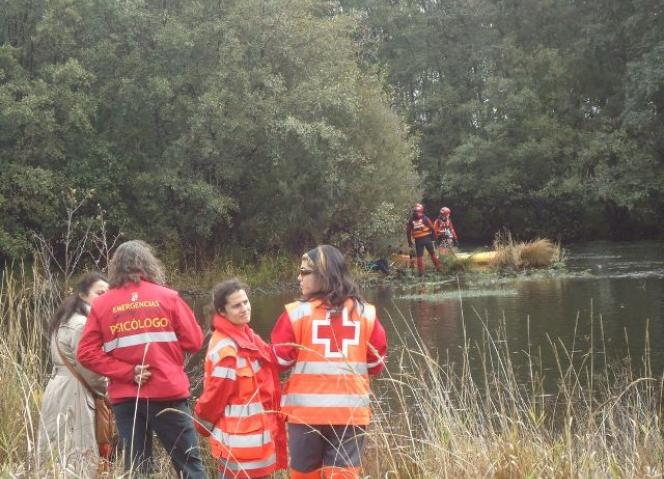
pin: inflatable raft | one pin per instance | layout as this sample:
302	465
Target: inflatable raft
480	258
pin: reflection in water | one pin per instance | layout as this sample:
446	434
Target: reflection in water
437	324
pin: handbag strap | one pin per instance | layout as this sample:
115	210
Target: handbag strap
75	373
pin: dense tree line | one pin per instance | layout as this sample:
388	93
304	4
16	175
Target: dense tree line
542	116
218	125
203	127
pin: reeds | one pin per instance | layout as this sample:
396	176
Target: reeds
495	413
538	253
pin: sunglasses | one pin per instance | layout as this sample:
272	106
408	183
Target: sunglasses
304	272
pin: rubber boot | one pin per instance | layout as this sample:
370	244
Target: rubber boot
305	475
420	265
436	262
332	472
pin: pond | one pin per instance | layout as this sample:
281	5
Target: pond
618	288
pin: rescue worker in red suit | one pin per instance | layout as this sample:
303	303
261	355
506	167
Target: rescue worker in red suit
420	230
331	341
447	235
136	335
238	408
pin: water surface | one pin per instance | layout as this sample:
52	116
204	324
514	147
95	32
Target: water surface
617	287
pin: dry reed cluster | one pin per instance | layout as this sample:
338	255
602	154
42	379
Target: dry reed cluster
477	416
538	253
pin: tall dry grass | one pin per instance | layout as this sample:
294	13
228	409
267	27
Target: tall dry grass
484	417
26	303
538	253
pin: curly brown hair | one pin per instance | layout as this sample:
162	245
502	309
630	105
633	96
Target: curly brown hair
133	261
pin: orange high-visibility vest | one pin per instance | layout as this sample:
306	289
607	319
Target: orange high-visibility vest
243	437
420	228
329	382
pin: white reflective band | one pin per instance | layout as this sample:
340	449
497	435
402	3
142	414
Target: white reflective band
330	368
243	410
223	373
255	365
325	400
302	310
142	338
376	363
284	362
248	465
369	312
213	353
242	440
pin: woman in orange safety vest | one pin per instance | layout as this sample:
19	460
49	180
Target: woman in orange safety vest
331	340
240	399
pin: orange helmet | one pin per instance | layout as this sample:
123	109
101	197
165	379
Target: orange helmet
445	211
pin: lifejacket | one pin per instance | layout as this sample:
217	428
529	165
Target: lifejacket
243	438
329	382
420	227
444	228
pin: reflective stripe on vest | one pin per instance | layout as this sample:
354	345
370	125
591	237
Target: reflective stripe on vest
330	368
247	465
242	440
141	338
299	311
255	364
213	354
243	410
325	400
223	373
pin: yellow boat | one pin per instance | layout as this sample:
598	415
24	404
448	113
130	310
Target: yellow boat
479	258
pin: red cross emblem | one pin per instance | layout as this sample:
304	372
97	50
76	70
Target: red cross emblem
332	334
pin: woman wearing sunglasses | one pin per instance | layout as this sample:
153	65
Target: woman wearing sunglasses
331	340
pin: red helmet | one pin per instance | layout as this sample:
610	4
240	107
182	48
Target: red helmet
418	207
445	211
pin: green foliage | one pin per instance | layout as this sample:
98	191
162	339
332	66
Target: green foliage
201	127
543	117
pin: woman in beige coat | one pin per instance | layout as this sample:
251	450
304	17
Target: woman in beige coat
67	427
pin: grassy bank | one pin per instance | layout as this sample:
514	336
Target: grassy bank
434	418
264	274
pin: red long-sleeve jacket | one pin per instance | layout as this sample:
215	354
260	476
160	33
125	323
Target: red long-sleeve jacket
142	323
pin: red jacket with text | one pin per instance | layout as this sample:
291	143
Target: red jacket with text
331	354
142	323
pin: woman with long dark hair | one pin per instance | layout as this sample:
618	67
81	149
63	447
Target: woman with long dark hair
67	425
331	340
238	408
